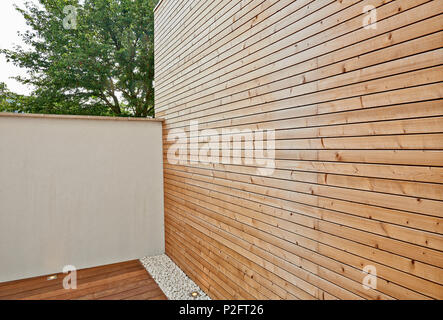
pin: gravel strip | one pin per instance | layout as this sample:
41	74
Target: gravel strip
171	279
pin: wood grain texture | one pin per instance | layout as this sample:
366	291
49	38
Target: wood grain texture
118	281
358	120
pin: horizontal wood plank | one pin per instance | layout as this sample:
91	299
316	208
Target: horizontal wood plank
357	158
125	280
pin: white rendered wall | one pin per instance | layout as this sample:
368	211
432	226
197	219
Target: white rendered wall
75	191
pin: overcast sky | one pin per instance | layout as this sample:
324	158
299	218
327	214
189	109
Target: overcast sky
11	22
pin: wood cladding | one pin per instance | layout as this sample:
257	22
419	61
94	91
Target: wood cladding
357	112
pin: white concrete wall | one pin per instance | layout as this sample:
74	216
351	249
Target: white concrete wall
78	191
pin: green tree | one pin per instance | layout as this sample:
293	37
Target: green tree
11	102
95	57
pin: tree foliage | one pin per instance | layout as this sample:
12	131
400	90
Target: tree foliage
10	101
98	59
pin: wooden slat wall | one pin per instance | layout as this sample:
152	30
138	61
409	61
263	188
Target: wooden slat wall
358	119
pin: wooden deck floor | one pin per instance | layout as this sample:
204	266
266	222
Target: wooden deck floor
120	281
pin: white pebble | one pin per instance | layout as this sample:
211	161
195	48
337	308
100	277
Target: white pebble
175	284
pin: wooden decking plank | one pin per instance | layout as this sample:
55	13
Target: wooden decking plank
133	292
92	292
116	288
58	287
17	286
115	281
